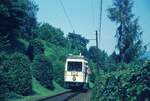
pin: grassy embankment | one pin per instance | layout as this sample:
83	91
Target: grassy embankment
40	92
38	89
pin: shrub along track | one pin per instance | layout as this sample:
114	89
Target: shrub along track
61	97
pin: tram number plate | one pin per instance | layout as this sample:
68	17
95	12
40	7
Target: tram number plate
74	73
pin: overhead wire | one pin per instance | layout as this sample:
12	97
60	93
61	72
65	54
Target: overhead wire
67	16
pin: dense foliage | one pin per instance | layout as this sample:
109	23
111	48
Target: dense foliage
35	47
17	17
3	86
78	43
59	72
128	33
15	69
98	56
42	70
51	34
129	83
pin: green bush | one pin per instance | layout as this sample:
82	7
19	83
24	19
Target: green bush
93	69
42	69
35	47
59	72
58	56
16	68
3	86
131	83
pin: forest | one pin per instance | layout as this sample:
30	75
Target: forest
32	55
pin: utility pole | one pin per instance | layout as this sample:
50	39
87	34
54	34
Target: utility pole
96	39
97	52
100	21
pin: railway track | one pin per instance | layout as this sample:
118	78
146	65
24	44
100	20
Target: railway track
61	97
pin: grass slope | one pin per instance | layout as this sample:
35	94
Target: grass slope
40	91
54	52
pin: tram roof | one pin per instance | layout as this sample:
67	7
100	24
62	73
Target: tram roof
76	57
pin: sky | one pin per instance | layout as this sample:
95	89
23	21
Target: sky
84	16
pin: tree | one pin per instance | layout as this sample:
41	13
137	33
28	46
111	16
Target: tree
128	34
35	47
42	70
96	55
17	17
17	73
51	34
78	43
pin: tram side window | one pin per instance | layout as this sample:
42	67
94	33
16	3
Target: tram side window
74	66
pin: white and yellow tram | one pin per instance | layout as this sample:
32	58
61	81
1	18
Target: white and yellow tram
76	73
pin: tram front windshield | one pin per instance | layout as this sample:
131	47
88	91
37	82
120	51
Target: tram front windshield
74	66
